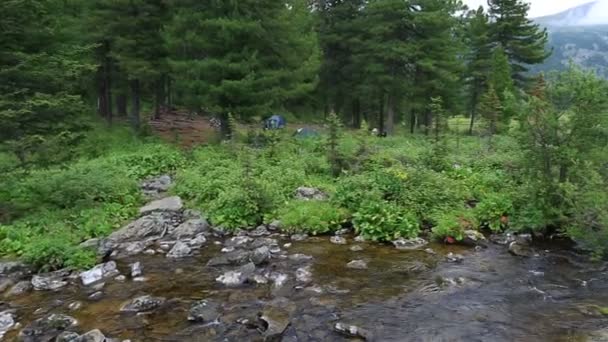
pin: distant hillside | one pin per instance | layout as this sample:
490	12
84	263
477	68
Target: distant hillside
579	34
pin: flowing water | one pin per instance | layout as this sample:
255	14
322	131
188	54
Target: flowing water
402	296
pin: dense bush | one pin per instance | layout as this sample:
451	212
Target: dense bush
313	217
384	221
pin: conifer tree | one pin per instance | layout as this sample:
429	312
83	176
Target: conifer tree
490	109
524	41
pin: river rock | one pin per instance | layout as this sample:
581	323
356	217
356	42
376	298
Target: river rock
6	283
310	194
474	238
455	258
338	240
190	229
502	239
8	267
237	277
146	226
260	255
521	250
259	231
204	311
410	244
356	248
47	328
179	250
349	330
7	322
50	281
278	279
357	265
91	336
142	304
300	257
173	203
19	288
136	269
98	273
275	225
236	257
359	238
299	237
598	336
276	316
198	241
67	336
342	231
157	185
238	241
304	274
73	306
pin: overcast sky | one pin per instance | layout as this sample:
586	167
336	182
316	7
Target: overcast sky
539	7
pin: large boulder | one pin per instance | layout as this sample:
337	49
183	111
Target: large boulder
260	255
474	238
237	277
153	224
47	328
190	229
98	273
170	204
142	304
276	317
50	281
7	322
156	186
179	250
20	288
8	267
204	311
410	244
310	194
519	249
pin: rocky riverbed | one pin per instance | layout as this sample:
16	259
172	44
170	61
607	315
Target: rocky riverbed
170	276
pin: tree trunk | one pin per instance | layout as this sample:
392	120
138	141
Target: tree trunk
412	121
102	94
225	129
356	113
472	122
390	114
108	87
121	104
381	116
135	119
160	84
428	119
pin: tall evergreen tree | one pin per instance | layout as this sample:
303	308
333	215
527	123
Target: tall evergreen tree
523	40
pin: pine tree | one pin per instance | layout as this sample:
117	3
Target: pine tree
524	41
478	59
242	57
490	109
500	74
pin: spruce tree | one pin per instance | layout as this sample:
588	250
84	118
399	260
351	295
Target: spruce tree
490	109
524	41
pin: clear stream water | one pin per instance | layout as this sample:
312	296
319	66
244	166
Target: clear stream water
402	296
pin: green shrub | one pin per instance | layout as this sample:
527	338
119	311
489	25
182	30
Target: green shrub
51	253
150	160
313	217
384	221
452	224
493	210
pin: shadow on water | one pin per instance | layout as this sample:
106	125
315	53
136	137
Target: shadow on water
402	296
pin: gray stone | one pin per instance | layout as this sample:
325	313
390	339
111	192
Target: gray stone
260	255
277	316
6	283
50	281
190	214
338	240
349	330
502	239
157	184
278	279
300	257
474	238
356	248
275	225
91	243
142	304
299	237
410	244
263	241
520	250
198	241
455	258
47	328
237	277
238	241
173	203
91	336
149	252
190	229
342	231
136	269
7	322
204	311
359	238
120	278
259	231
67	336
304	274
146	226
19	288
179	250
96	296
237	257
8	267
357	265
310	194
99	272
75	306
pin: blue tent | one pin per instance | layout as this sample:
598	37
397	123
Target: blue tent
275	122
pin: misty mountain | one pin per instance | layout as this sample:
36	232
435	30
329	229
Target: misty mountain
579	34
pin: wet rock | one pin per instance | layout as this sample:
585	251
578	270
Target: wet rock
413	267
120	278
7	322
136	269
190	229
356	248
304	274
279	279
357	265
455	258
50	281
349	330
204	311
263	241
155	186
259	279
300	257
98	273
197	242
338	240
598	336
153	224
276	317
142	304
310	194
410	244
75	306
6	283
47	328
91	243
67	336
287	245
91	336
19	288
260	255
474	238
228	249
238	241
430	251
342	231
275	225
359	238
299	237
179	250
96	296
140	279
275	249
502	239
173	203
259	231
521	250
8	267
237	257
237	277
